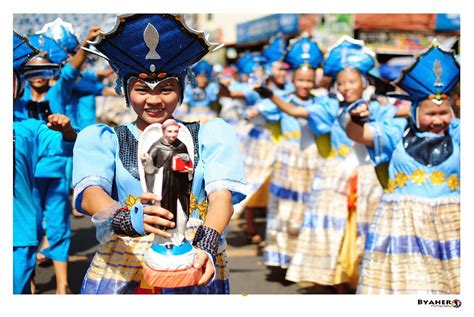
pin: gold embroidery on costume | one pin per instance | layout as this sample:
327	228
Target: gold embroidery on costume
418	177
201	207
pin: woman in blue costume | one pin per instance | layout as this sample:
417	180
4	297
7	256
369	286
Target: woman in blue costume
262	137
296	156
413	244
200	94
318	258
152	71
32	140
40	99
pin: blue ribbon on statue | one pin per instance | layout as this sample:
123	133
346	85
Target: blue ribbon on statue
136	216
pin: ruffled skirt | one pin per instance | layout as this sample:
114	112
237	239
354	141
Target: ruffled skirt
413	247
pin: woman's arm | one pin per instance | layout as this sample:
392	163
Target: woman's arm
360	134
95	199
219	210
289	108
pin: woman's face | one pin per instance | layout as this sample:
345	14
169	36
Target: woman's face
153	105
38	83
434	118
279	72
171	133
303	79
350	85
202	81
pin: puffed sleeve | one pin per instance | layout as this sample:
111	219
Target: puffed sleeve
387	133
94	160
49	143
322	114
213	90
188	94
222	162
380	112
269	110
454	129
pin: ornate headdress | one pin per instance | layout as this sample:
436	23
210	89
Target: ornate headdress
63	33
304	52
249	60
275	51
202	68
151	47
22	51
50	50
433	75
348	52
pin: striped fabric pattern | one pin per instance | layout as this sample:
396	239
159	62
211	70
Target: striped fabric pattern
324	224
413	247
289	191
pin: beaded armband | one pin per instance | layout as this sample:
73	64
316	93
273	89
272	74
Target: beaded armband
122	223
207	239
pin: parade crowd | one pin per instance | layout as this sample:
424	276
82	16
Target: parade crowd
358	174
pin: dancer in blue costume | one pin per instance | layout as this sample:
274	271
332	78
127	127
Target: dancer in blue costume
200	95
32	140
296	156
318	258
413	244
152	71
262	138
40	99
81	106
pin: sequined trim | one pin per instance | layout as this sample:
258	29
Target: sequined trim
128	150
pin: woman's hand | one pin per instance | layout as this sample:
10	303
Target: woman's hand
202	261
62	123
361	111
156	216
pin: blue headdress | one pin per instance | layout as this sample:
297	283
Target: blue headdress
247	62
152	47
304	53
348	53
22	51
51	50
433	76
202	68
275	51
63	33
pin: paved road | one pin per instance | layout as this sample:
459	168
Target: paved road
248	274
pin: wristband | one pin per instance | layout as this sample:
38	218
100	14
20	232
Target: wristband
122	223
207	239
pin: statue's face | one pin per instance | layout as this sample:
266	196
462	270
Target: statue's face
171	133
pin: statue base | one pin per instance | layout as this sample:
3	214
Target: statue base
170	266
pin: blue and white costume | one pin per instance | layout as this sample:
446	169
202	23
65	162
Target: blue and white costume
52	185
296	162
413	244
32	141
317	256
117	266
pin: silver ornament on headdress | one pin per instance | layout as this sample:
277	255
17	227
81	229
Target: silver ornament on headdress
151	38
438	71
